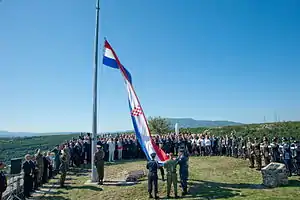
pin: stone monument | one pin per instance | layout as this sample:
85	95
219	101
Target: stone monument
274	175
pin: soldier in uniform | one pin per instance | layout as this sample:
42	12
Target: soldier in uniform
274	147
152	166
297	158
170	166
250	152
63	168
40	166
68	154
293	148
265	151
257	153
234	148
99	162
287	156
183	170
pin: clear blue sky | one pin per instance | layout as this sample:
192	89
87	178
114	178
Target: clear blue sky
229	60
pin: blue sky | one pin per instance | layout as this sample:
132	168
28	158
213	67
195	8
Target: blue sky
217	60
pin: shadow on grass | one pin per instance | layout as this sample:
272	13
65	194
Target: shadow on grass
292	183
120	183
53	198
199	189
232	185
84	187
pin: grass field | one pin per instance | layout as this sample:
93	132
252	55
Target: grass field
210	178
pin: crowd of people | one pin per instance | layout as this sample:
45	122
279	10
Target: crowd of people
39	168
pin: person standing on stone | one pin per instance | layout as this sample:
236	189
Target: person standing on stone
99	163
183	171
257	153
63	168
250	152
152	166
170	166
265	151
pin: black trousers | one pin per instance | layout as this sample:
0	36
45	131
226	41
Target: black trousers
27	185
152	180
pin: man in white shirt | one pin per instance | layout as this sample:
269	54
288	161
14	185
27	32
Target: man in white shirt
207	143
120	148
111	150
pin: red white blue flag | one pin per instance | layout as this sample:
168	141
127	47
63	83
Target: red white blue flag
139	120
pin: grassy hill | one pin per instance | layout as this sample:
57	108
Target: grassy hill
279	129
210	178
192	123
20	146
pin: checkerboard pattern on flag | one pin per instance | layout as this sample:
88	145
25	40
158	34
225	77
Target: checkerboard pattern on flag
139	120
137	111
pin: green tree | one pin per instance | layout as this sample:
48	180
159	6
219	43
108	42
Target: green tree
159	125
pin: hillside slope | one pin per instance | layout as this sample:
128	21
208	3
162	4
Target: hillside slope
192	123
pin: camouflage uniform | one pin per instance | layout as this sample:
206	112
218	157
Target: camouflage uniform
250	152
63	168
40	166
265	151
170	166
99	162
257	154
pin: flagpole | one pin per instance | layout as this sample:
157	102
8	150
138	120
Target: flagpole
95	90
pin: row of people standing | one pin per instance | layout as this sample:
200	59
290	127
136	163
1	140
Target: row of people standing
39	168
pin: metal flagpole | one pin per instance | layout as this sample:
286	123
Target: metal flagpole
95	90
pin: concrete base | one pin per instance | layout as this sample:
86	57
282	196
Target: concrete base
89	182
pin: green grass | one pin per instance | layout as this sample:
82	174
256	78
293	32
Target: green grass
210	178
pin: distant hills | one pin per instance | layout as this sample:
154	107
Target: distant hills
192	123
182	122
5	134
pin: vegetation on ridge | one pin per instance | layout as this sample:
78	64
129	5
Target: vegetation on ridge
18	147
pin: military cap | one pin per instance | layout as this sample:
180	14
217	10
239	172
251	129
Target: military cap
153	155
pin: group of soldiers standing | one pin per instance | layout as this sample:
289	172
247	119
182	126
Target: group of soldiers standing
287	152
257	150
170	166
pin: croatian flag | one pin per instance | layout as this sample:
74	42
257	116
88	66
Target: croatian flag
139	120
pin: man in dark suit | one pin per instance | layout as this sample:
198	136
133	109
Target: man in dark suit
27	168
